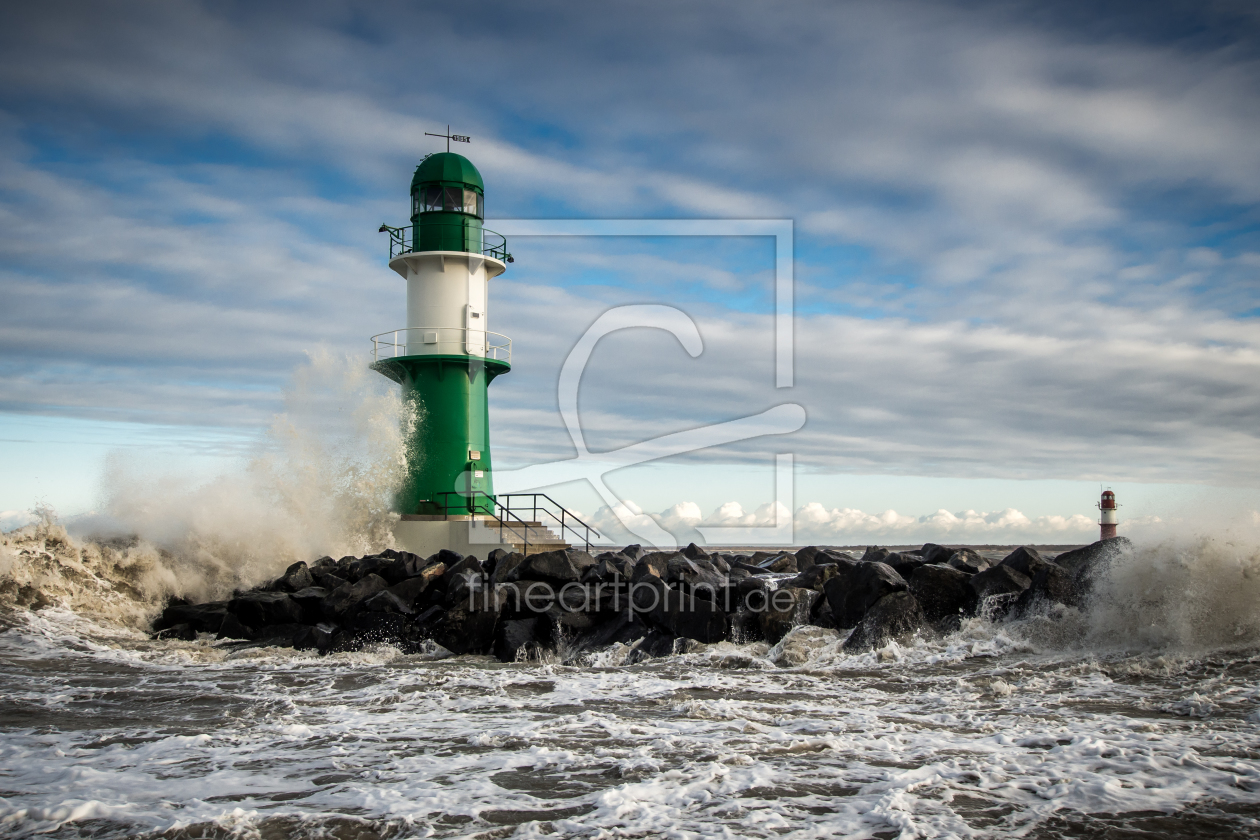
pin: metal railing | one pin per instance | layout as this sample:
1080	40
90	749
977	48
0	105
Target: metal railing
419	341
492	244
466	502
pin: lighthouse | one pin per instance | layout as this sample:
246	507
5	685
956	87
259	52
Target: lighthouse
445	359
1108	521
446	356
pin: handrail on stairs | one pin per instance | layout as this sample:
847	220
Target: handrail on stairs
474	502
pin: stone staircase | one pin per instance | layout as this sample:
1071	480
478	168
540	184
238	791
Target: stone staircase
527	537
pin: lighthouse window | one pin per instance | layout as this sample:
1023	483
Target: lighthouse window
470	202
432	199
415	202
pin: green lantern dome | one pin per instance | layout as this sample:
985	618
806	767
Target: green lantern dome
447	168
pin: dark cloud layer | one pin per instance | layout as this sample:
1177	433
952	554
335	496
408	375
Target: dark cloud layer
1027	234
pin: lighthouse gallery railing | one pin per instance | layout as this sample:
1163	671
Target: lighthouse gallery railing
419	341
492	244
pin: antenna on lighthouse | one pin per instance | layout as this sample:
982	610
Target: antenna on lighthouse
458	138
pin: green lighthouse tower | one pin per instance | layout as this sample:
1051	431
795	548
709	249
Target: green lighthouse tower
446	356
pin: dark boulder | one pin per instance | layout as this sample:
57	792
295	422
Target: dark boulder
654	565
552	566
258	609
969	561
182	632
1027	561
309	600
464	579
386	601
633	552
608	567
1081	562
694	573
203	618
875	554
805	556
373	564
933	553
232	628
281	635
894	616
854	590
462	630
346	599
690	617
814	577
505	568
1052	584
784	564
412	588
904	563
942	591
329	581
695	552
788	607
296	577
997	588
522	638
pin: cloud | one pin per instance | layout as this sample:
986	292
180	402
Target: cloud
814	524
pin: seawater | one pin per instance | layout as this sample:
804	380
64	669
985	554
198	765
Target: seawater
1136	717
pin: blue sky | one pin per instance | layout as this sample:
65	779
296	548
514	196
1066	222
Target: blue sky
1027	252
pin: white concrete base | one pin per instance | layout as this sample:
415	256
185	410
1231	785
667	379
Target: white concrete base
467	536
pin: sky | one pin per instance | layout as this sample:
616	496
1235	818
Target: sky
1025	245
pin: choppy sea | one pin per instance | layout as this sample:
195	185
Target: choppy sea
1138	717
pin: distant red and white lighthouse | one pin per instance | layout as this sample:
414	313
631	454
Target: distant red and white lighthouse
1108	522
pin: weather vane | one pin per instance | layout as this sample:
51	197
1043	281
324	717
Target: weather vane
458	138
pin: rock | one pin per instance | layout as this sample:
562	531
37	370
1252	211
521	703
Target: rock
802	644
654	565
258	609
805	556
464	578
296	577
997	588
625	627
694	573
1024	560
345	599
1051	585
182	632
608	567
690	617
203	618
904	563
783	564
553	566
373	564
968	561
695	552
814	577
787	608
942	591
517	639
503	570
1089	557
309	600
934	554
740	565
633	552
894	616
462	631
320	637
412	588
720	563
831	555
329	581
281	635
855	590
232	628
372	627
386	601
875	554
